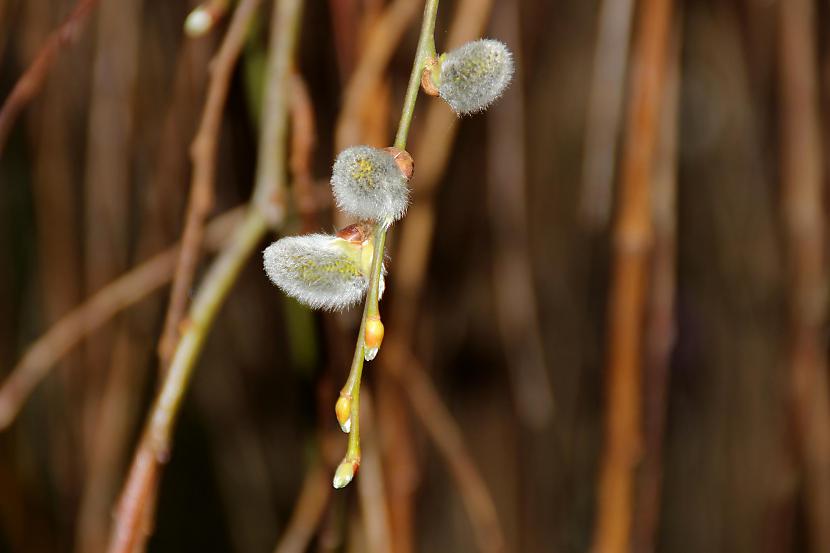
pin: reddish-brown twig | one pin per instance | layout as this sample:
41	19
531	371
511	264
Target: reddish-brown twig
29	84
303	136
308	511
803	214
660	325
380	45
370	484
118	295
203	153
632	241
266	210
445	433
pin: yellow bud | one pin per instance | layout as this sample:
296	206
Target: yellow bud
343	410
345	473
374	334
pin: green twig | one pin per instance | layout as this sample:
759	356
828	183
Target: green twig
265	210
351	390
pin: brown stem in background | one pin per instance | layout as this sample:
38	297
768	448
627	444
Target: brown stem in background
632	244
303	137
605	100
443	430
29	84
803	200
308	511
267	209
660	316
380	46
161	200
108	183
203	153
513	287
370	485
118	295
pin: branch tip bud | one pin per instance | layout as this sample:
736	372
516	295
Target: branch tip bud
345	473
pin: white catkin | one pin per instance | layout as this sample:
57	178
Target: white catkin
368	184
474	75
318	270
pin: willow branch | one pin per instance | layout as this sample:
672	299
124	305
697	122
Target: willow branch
632	241
203	153
660	317
42	355
803	213
129	529
30	83
426	49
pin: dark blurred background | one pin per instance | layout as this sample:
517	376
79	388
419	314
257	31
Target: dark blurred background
502	278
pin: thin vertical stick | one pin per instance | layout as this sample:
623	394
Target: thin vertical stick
203	153
266	209
660	319
632	241
803	200
514	293
605	101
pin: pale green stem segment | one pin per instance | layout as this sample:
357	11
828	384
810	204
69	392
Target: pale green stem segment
264	212
212	292
426	50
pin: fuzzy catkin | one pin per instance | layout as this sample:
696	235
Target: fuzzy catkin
368	184
318	270
474	75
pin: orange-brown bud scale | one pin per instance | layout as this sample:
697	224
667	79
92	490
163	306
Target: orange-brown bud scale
427	84
373	334
403	160
356	233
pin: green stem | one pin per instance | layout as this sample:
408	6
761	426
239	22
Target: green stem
426	50
212	293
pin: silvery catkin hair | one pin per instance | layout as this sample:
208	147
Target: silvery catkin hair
368	184
474	75
319	270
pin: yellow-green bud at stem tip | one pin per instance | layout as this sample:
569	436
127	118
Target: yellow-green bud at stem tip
345	473
343	410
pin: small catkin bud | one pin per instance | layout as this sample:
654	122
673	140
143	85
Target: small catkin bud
198	22
318	270
473	76
372	338
345	473
343	410
368	184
